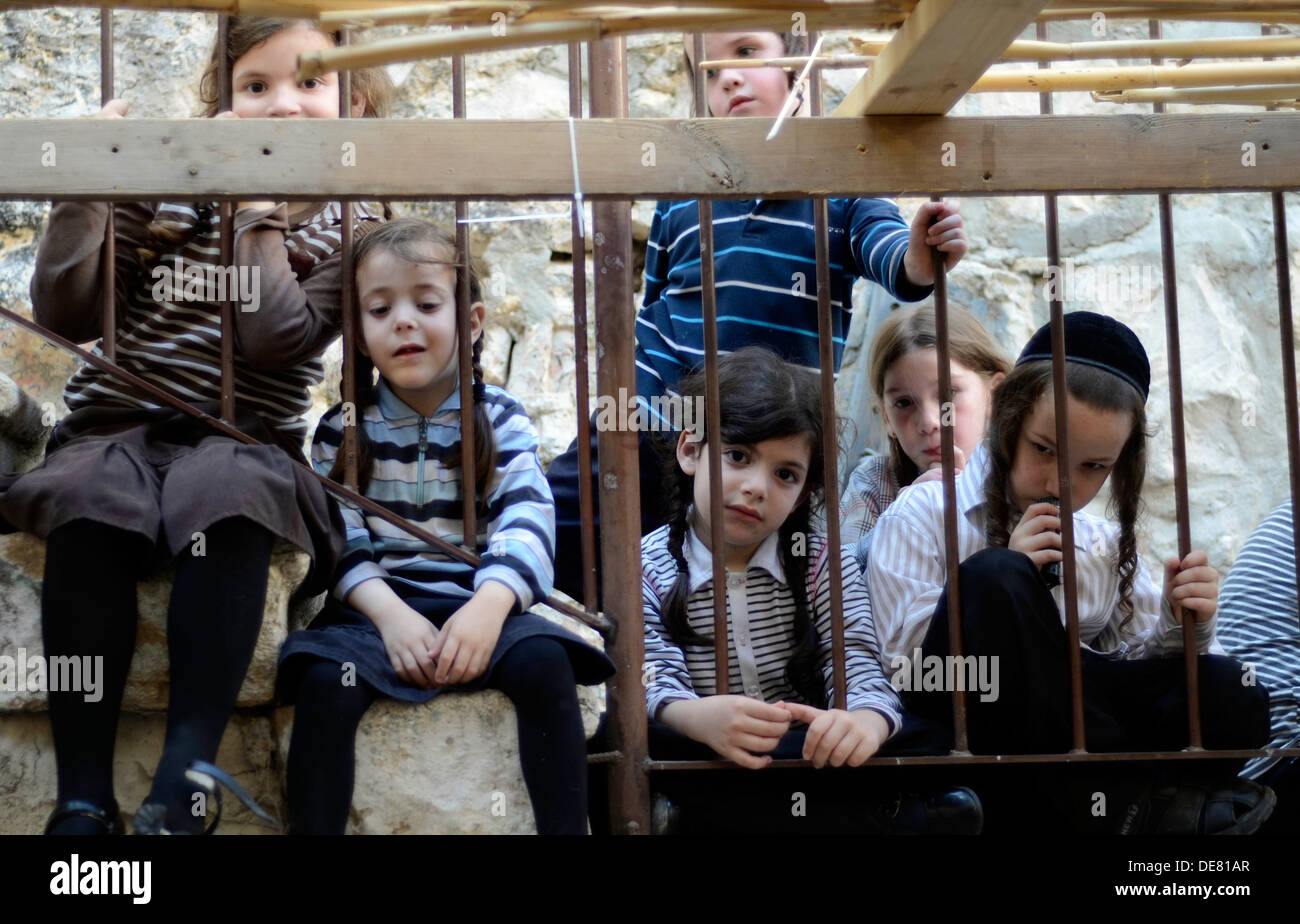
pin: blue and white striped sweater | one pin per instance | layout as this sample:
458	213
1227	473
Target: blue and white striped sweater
1258	625
766	279
516	540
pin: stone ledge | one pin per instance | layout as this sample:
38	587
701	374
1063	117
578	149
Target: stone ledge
449	766
22	564
28	779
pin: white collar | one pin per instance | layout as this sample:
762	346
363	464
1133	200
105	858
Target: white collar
699	562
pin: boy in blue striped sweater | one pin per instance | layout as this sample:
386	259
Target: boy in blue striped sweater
766	278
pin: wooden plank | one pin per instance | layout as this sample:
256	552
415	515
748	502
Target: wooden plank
642	158
937	55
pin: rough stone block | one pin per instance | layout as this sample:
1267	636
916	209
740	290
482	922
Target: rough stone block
28	782
22	564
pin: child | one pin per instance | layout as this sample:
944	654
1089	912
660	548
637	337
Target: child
128	483
1009	529
411	619
778	594
766	278
1258	615
904	370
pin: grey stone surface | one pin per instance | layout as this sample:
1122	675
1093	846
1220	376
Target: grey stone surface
27	777
22	563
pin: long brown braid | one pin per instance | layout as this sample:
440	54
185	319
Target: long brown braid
418	241
763	398
1014	400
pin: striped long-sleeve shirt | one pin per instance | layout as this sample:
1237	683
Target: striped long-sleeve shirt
285	280
907	573
766	279
415	476
1258	625
760	615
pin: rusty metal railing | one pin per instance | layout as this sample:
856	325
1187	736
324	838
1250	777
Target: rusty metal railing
621	622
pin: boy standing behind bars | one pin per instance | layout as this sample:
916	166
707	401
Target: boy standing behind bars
766	278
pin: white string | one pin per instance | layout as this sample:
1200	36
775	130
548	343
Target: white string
577	185
794	98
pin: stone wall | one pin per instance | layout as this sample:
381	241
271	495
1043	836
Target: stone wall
1234	413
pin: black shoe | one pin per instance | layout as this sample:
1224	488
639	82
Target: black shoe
1238	807
110	819
152	816
953	811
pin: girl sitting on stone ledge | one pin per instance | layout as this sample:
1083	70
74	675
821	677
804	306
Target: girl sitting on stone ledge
129	483
406	621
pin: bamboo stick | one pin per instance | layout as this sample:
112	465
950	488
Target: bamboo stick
478	11
1028	50
1284	94
869	49
1290	15
791	64
1121	78
488	38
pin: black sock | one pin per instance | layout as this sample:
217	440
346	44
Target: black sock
88	609
537	676
213	622
322	749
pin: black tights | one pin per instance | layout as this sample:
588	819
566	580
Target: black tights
88	607
537	676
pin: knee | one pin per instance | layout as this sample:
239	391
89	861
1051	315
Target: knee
536	668
996	568
322	690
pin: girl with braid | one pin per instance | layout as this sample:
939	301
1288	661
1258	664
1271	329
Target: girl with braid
778	592
1009	539
408	621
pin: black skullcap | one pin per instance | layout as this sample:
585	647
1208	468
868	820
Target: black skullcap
1096	340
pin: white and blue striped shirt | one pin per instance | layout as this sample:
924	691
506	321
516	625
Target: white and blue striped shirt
412	477
760	616
1260	626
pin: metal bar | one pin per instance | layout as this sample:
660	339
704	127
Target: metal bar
226	222
830	439
468	479
1178	437
1069	572
830	453
629	785
1280	256
966	760
347	303
595	620
948	459
108	253
712	407
581	370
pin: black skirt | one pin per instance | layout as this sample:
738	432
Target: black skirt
166	475
340	633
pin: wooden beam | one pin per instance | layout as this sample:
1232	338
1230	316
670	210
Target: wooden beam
937	54
642	158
